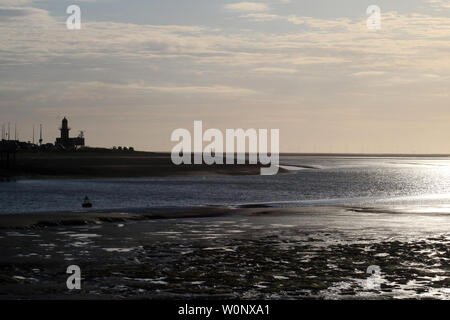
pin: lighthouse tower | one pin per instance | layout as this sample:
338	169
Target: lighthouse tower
65	141
64	130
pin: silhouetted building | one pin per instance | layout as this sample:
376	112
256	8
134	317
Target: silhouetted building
67	142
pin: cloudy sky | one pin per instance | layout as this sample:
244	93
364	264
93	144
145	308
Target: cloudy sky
138	69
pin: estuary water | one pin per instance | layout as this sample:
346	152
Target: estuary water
415	183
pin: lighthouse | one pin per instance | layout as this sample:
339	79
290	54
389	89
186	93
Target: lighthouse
65	141
64	130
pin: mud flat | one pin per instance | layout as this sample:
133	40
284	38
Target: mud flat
223	253
114	164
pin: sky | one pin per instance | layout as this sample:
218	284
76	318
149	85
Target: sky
137	70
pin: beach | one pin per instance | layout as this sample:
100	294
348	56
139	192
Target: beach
227	253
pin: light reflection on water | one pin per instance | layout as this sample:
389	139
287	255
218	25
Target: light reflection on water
420	182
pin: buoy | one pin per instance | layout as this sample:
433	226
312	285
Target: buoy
86	203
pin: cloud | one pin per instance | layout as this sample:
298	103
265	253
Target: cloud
260	17
415	42
368	73
269	70
214	89
247	6
23	13
439	4
15	2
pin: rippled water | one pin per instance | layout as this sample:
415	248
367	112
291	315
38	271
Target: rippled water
313	180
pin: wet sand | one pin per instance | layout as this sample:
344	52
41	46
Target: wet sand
234	253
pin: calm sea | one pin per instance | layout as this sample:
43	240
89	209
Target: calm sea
358	181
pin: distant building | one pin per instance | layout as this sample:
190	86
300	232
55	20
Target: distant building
67	142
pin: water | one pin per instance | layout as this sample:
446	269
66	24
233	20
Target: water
410	182
312	253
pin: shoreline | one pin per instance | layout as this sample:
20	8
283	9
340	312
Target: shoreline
71	218
36	220
114	165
